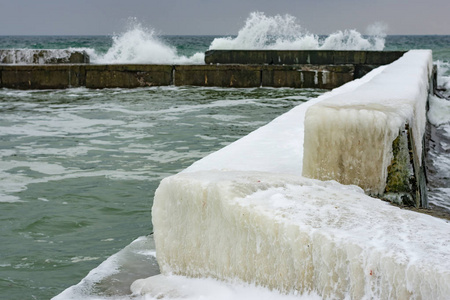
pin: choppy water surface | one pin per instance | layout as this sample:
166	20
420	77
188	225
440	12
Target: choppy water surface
78	169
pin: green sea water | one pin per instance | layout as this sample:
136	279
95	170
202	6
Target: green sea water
78	169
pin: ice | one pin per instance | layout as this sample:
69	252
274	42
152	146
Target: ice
439	112
290	233
349	137
115	275
176	287
245	213
275	147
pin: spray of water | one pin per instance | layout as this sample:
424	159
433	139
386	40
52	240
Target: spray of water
283	32
139	44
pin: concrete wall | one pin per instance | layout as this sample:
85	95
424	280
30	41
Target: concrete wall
36	56
127	76
291	57
307	76
224	68
42	76
131	76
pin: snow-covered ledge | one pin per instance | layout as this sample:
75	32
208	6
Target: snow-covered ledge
245	214
350	137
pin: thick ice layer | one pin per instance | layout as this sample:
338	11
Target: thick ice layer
115	275
349	137
275	147
291	233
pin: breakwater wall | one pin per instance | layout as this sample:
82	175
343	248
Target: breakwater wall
39	56
296	69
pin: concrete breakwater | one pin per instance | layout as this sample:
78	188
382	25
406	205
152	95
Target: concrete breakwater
38	56
296	69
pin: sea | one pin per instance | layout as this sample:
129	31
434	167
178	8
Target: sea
79	167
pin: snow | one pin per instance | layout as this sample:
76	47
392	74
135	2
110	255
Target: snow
348	137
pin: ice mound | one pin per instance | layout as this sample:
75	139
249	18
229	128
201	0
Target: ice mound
275	147
349	137
245	213
290	233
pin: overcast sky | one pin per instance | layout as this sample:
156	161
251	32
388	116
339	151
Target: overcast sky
226	17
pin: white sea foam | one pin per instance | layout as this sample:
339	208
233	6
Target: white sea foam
139	44
142	45
283	32
439	112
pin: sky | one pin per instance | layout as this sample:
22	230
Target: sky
214	17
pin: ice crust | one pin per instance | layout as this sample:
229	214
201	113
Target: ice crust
290	233
275	147
245	213
349	137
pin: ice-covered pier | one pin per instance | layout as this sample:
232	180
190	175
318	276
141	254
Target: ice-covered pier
248	213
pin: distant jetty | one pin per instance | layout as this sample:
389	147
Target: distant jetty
60	69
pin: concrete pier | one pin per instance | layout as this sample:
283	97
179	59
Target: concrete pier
296	69
132	76
39	56
301	57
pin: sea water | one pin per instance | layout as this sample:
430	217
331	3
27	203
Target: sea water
79	167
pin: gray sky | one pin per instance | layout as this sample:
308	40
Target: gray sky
83	17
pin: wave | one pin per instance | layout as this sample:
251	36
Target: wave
139	44
142	45
284	33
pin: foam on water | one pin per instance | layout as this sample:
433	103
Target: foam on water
283	32
142	45
439	150
439	112
443	77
